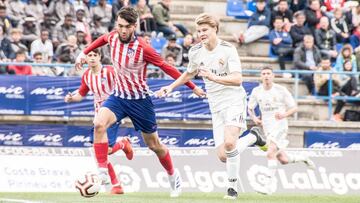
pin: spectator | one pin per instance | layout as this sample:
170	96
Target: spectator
281	42
285	13
41	70
16	45
355	16
147	38
16	11
322	79
83	5
258	26
307	57
80	39
60	9
339	25
331	5
326	38
20	69
297	5
345	54
5	46
170	59
97	27
30	30
313	14
147	21
44	46
102	11
5	21
161	13
116	6
299	30
82	24
49	24
186	45
348	87
62	32
68	50
36	9
172	48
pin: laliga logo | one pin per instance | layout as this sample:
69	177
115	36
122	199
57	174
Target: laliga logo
45	91
11	90
128	177
44	138
10	137
259	179
200	142
169	140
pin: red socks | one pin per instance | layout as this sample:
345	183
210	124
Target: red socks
101	153
118	146
166	162
112	174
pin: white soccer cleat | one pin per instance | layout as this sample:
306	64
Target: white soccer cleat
310	164
104	176
175	184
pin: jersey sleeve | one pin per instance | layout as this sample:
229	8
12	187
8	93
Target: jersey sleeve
154	58
101	41
288	98
234	60
253	100
192	66
83	89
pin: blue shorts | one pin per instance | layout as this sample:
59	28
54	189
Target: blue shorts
112	132
140	111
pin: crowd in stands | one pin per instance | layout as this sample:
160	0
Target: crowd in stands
57	30
317	35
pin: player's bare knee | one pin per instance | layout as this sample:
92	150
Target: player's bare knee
271	155
99	127
229	146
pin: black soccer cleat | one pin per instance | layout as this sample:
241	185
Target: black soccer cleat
231	194
260	137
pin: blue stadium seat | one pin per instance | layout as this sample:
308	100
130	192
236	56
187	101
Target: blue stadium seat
251	6
235	8
339	47
158	43
180	41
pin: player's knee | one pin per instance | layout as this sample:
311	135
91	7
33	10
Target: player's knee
155	147
283	162
229	145
271	155
99	127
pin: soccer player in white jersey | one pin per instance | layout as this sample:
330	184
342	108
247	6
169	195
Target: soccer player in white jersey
100	80
276	104
218	63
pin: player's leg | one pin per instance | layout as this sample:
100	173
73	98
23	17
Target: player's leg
124	144
272	165
255	136
286	158
116	186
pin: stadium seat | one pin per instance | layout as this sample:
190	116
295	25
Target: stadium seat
158	43
251	6
235	8
180	41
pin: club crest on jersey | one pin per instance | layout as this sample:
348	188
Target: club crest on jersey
131	53
221	62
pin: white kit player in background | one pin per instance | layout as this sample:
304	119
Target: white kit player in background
276	104
218	63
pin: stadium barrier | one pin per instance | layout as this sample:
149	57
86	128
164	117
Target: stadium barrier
331	140
55	169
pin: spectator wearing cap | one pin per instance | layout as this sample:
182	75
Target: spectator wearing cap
16	11
5	21
60	9
63	31
258	26
36	9
102	11
16	45
286	14
340	26
82	25
172	48
299	30
147	21
326	38
44	46
20	69
30	30
161	13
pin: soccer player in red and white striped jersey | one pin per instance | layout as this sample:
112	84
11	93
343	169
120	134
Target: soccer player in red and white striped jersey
130	56
100	80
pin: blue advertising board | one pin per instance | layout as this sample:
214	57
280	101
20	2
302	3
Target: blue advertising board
321	140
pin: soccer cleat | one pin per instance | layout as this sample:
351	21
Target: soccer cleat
128	149
260	137
231	194
117	190
309	163
175	184
104	176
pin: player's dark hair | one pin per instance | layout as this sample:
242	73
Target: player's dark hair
37	54
96	51
267	68
129	14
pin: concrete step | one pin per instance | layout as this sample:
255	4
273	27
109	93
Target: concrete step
197	7
256	63
258	48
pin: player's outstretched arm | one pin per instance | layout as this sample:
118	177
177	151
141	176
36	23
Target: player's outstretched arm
185	77
73	98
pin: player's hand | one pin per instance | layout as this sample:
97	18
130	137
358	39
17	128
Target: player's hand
205	73
199	92
68	98
163	91
80	61
280	116
257	121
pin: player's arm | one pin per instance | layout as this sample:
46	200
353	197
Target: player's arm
73	98
235	76
290	103
185	77
251	109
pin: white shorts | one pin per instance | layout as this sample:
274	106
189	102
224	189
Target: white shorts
230	116
278	137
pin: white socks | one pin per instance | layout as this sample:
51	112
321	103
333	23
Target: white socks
295	158
272	165
244	142
233	167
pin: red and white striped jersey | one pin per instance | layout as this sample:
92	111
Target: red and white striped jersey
101	85
130	61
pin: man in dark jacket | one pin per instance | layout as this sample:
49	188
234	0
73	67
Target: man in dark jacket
313	14
298	31
307	57
286	14
325	38
259	24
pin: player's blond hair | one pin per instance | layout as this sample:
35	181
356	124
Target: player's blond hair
208	19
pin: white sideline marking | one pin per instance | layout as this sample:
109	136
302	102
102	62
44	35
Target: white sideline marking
4	200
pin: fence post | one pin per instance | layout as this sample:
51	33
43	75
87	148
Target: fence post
296	93
330	88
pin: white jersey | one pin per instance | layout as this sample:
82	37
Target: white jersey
276	100
222	61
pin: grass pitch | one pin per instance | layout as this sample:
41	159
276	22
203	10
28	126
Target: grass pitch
164	198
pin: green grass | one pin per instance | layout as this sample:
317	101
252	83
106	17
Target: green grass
164	198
